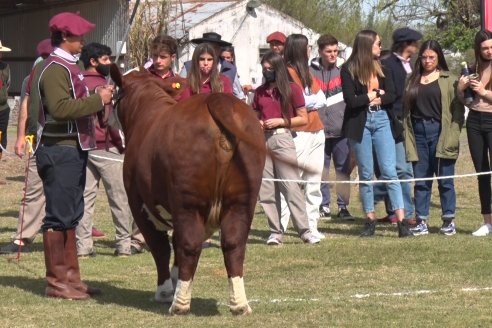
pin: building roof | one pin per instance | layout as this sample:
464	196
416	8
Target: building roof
183	15
10	7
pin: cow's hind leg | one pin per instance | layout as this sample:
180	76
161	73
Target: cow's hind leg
189	233
235	227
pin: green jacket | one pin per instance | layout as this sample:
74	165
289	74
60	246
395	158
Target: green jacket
4	85
33	105
452	119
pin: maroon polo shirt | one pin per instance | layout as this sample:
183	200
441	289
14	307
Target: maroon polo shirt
267	102
207	88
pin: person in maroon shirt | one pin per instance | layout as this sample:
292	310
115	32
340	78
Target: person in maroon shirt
104	163
204	76
280	106
163	50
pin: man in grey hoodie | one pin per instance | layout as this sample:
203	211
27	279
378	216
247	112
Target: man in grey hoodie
326	70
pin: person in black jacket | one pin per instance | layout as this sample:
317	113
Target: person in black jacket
405	44
371	125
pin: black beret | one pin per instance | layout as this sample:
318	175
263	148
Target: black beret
406	34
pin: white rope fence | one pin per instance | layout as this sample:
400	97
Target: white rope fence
388	181
456	176
106	158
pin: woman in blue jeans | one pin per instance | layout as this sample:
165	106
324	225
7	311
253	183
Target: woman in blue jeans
370	124
433	119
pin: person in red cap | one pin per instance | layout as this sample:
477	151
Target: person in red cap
31	213
66	132
276	40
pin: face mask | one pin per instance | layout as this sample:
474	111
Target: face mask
103	69
269	76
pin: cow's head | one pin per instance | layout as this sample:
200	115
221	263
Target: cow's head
140	94
173	86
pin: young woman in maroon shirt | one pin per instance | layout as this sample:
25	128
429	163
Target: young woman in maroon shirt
280	106
204	76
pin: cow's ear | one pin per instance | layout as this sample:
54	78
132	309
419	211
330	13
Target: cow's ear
116	75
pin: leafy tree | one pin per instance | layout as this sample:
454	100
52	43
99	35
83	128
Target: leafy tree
150	21
452	22
342	18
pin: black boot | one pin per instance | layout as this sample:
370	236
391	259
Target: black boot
369	228
404	230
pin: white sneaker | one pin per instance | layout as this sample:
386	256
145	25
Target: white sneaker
310	238
318	234
483	231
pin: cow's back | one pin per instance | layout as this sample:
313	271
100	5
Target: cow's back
189	159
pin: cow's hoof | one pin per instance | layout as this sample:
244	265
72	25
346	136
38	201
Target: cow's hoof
241	310
165	292
179	310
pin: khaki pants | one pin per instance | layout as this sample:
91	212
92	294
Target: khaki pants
110	171
33	208
310	150
282	146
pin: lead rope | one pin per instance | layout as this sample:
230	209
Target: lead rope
29	140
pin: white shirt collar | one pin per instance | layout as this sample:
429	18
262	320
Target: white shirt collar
65	55
405	62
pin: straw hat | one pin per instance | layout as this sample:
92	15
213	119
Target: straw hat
4	49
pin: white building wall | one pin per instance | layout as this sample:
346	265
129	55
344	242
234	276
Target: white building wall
248	34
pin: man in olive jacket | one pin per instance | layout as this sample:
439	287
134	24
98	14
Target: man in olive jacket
66	132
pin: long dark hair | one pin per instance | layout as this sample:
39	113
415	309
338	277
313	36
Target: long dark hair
412	89
480	37
361	63
194	76
296	56
282	80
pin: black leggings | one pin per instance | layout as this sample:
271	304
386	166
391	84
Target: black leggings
479	133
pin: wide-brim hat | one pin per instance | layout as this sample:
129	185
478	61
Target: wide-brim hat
211	37
70	23
4	49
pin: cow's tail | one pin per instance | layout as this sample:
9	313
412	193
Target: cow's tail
237	118
241	121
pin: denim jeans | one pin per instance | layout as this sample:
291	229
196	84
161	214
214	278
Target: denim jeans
404	171
337	149
377	135
426	138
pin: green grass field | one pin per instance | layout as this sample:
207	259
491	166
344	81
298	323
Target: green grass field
346	281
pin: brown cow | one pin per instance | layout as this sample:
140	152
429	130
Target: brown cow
195	166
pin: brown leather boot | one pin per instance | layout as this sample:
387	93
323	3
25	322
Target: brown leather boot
56	268
73	269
